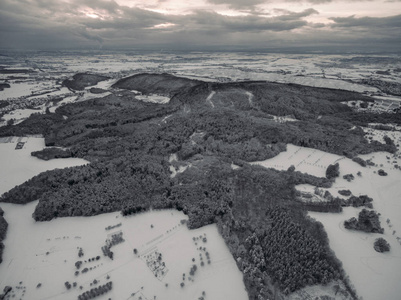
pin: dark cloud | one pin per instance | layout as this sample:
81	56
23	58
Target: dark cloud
61	24
116	21
289	15
370	22
89	36
218	22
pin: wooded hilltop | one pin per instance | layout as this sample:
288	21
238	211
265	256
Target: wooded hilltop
209	126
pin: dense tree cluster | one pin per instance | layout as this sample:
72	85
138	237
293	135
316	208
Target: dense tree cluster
368	221
164	84
7	289
294	258
51	153
362	200
381	172
333	206
3	232
2	87
381	245
349	177
285	249
128	144
359	161
116	238
345	192
96	292
81	80
333	171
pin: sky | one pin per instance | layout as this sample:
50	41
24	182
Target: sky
220	25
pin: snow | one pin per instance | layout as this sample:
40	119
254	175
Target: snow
336	290
19	89
250	97
173	157
234	166
375	275
306	160
17	166
105	84
392	98
175	171
164	120
331	71
20	115
53	92
372	134
159	99
66	100
283	119
87	96
25	88
176	166
308	193
153	98
209	98
45	252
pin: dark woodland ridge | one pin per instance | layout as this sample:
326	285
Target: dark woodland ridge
128	144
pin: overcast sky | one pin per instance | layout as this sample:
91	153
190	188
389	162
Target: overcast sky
351	25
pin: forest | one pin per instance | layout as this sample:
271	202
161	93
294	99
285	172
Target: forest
3	232
128	144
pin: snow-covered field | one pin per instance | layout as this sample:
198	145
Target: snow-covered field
40	257
153	98
306	160
37	251
17	166
375	275
48	70
378	135
332	71
46	253
20	115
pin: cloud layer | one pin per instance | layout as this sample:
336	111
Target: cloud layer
213	24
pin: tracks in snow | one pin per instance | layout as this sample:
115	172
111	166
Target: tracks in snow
209	98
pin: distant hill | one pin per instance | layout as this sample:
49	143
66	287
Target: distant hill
164	84
82	80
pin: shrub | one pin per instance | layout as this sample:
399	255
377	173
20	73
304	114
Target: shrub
345	192
78	264
349	177
381	172
364	104
80	252
332	171
291	168
359	161
381	245
368	221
